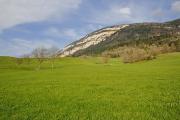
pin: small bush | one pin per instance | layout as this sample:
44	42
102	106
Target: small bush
178	46
154	50
19	61
84	56
105	58
134	54
114	53
173	47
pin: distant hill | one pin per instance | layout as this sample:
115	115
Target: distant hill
120	35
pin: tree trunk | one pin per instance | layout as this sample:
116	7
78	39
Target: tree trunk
39	67
52	66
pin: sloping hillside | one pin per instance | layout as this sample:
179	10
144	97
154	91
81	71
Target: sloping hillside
116	36
90	40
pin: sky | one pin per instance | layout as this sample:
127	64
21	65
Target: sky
28	24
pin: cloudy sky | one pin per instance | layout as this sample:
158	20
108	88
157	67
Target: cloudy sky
27	24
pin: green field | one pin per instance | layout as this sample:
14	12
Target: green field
87	89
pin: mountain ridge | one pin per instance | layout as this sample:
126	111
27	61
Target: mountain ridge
118	35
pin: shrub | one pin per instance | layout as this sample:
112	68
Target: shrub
84	56
154	50
165	48
178	46
19	61
114	53
105	58
134	54
173	47
141	52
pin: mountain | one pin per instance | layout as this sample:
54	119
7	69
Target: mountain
121	35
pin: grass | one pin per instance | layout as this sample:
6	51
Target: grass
87	89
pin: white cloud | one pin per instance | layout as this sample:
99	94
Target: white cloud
122	11
114	14
158	13
176	6
92	27
18	46
53	32
14	12
69	33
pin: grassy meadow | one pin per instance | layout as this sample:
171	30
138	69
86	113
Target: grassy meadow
88	89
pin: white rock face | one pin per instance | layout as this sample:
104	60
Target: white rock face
89	40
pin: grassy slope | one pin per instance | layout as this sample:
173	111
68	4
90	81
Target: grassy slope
87	89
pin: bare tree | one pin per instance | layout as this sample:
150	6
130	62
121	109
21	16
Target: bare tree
27	58
40	54
52	60
52	55
19	61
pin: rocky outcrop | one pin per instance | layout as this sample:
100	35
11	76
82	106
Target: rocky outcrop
89	40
